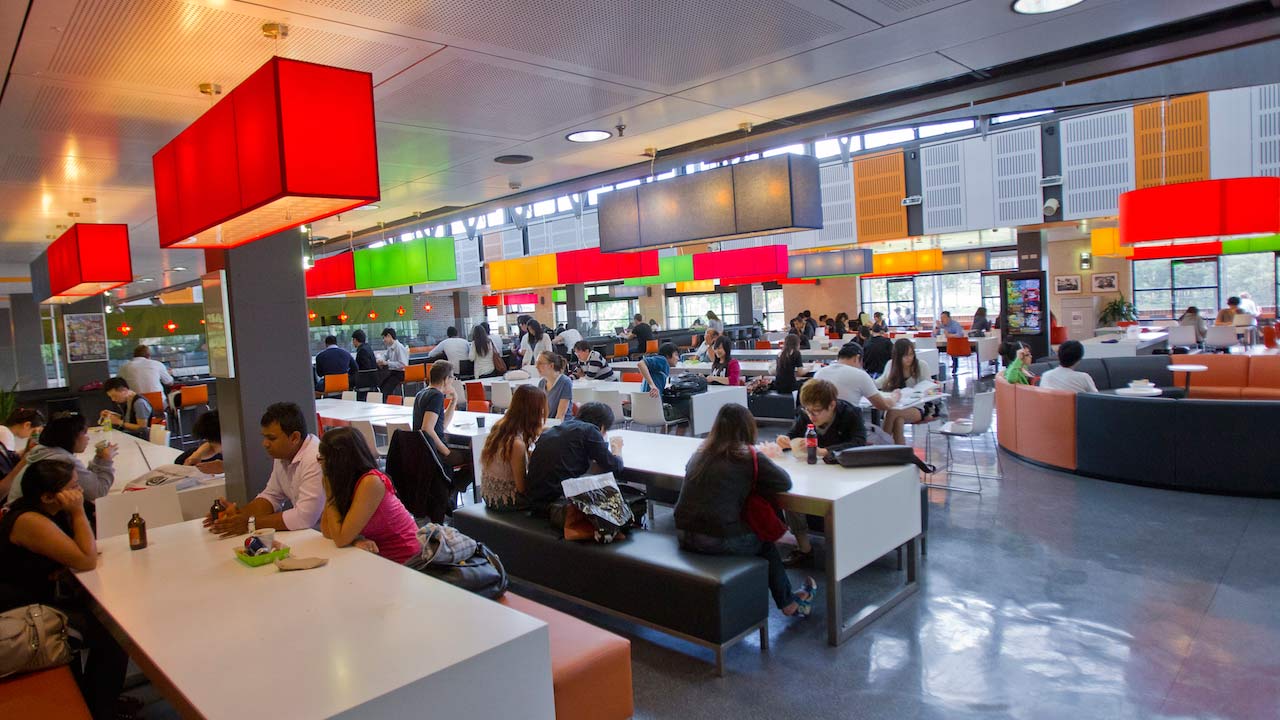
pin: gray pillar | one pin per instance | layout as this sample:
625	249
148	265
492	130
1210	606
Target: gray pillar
8	368
267	306
1031	251
82	373
462	313
25	315
575	301
746	313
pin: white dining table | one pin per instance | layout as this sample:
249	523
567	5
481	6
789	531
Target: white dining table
867	513
361	637
772	355
136	457
746	367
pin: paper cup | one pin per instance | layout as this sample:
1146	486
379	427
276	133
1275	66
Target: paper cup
266	535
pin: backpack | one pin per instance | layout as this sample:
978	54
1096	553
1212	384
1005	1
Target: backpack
687	385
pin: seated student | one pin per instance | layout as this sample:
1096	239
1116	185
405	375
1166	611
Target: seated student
656	369
640	330
724	369
877	321
505	457
877	350
789	365
1065	377
703	352
431	416
557	385
534	343
981	323
569	450
852	382
483	352
591	364
1017	358
1227	315
839	426
208	456
18	428
1193	319
64	438
452	348
333	360
718	479
296	478
949	328
134	416
567	339
798	329
905	371
361	506
44	535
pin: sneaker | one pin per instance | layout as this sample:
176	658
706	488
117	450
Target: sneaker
797	558
804	597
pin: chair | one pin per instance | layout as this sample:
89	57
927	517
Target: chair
373	397
651	347
408	400
620	351
959	347
647	411
479	406
393	427
395	400
977	425
1182	335
764	345
584	395
414	373
1221	337
501	395
159	506
349	395
1125	323
613	398
1269	336
336	384
475	391
448	403
1057	334
190	396
365	428
157	401
632	377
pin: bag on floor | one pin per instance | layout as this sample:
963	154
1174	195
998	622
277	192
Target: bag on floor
875	455
32	638
459	560
599	498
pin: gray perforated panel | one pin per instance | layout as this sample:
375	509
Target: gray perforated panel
177	45
1097	163
107	114
1015	176
942	173
659	43
1266	130
74	171
466	94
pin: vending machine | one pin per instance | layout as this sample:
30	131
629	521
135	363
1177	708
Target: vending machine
1024	310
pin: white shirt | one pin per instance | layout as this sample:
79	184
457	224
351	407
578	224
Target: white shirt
145	375
397	356
300	483
1064	378
531	352
483	364
568	338
1249	306
7	439
455	350
852	384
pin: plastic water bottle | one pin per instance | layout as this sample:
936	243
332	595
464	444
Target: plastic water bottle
811	444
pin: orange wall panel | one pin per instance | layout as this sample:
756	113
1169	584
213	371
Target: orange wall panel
879	184
1171	140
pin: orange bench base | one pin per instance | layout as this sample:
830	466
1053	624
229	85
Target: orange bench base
48	694
590	667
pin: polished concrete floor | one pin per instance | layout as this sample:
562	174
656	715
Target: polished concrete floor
1048	596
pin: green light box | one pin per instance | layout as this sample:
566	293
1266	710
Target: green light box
415	262
670	270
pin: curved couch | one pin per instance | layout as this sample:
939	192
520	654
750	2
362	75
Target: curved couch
1214	442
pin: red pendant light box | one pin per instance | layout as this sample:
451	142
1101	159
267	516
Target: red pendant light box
1210	208
333	275
770	260
86	260
293	143
591	265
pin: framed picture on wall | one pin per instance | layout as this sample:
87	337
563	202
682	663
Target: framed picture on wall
1106	282
1066	284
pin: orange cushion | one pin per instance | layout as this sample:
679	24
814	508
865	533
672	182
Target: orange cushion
1047	431
1264	371
49	695
1215	392
1224	370
590	667
1257	393
1006	415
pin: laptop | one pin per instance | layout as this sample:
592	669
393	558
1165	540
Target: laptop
619	330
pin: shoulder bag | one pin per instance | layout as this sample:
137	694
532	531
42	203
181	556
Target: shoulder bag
32	638
760	513
873	455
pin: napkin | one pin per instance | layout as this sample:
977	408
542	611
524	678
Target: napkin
300	563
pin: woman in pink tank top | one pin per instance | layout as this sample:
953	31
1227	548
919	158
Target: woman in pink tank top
361	506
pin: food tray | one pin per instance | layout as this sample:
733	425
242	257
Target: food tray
263	559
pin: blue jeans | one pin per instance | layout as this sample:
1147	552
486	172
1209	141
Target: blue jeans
748	545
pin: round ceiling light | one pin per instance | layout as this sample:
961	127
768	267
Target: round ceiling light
1040	7
588	136
513	159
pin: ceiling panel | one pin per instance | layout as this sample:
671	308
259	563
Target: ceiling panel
887	12
653	45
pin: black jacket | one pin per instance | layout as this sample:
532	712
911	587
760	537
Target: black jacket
562	452
423	482
845	431
876	353
365	359
711	501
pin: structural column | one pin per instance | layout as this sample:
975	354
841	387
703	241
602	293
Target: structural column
575	302
267	312
28	335
1033	256
746	313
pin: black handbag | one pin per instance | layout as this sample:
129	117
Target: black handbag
482	573
873	455
686	385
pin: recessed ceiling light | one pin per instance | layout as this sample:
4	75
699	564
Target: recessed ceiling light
513	159
178	268
370	206
1040	7
142	280
89	200
588	136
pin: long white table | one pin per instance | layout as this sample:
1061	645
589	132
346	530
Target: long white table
867	512
137	457
746	367
362	637
1103	346
772	355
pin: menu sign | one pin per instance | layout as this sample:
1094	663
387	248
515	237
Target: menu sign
217	324
86	337
1024	304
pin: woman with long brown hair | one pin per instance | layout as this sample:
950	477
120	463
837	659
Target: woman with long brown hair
482	353
717	481
790	364
505	457
905	371
361	507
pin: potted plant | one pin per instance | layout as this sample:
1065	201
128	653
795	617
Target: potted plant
1118	310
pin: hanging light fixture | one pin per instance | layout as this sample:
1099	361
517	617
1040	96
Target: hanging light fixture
373	314
427	307
125	328
85	260
400	310
342	317
171	326
311	315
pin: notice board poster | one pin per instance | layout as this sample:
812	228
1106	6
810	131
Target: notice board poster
86	337
1024	303
217	324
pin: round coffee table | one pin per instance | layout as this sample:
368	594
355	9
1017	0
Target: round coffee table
1188	369
1138	392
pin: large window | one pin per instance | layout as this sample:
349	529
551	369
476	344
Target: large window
609	314
917	301
774	317
894	297
683	310
1163	289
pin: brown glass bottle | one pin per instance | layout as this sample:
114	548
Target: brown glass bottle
137	532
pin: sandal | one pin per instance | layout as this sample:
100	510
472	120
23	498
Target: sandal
805	605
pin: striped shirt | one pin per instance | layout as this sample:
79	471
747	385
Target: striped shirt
595	367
